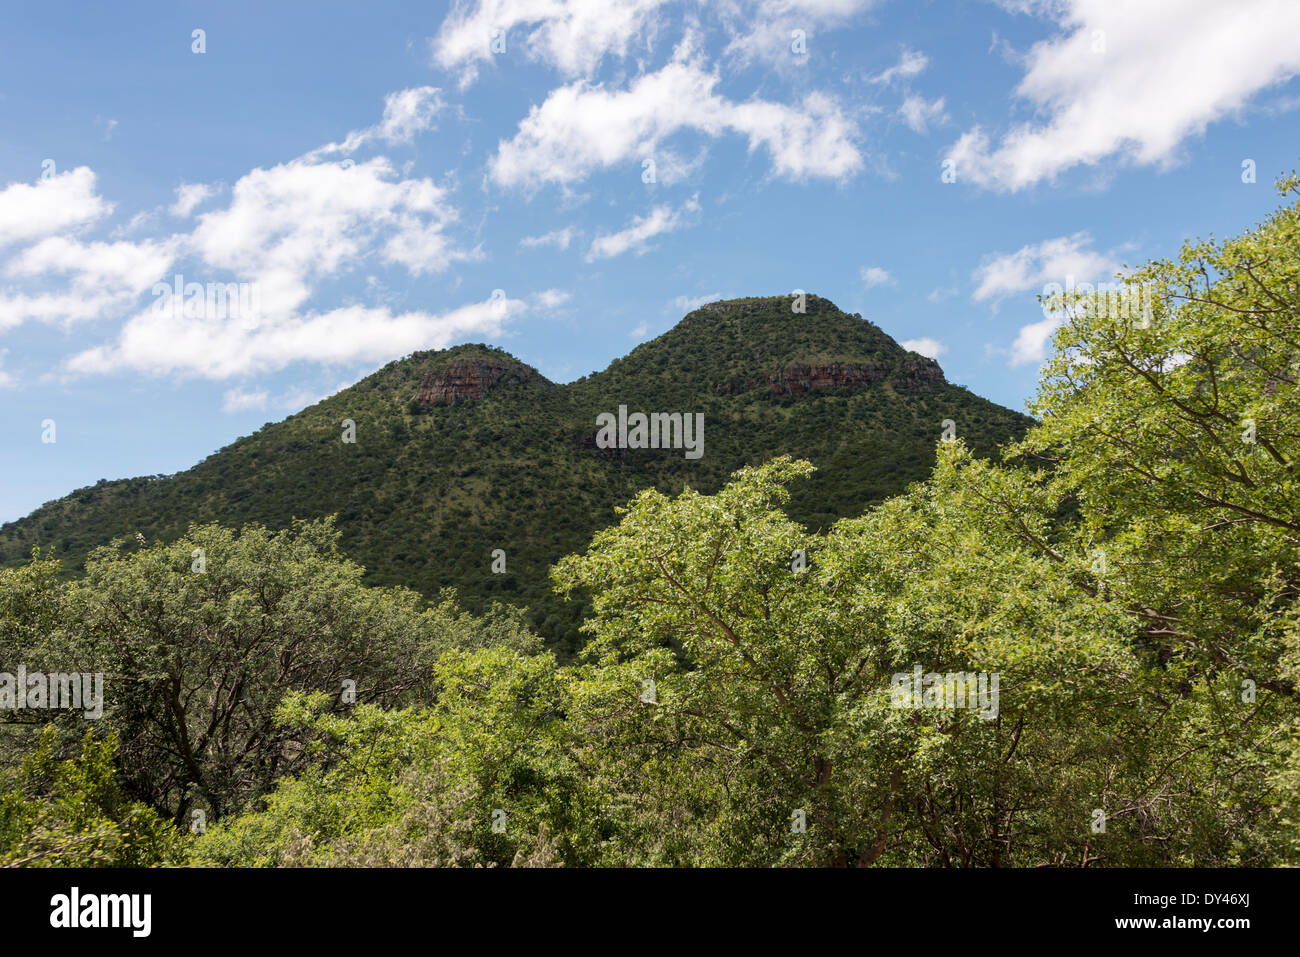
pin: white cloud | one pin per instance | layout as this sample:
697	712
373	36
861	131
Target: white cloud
284	232
221	348
1032	341
660	220
581	128
136	265
552	298
640	331
576	36
1064	260
763	29
573	36
295	400
62	202
875	276
1283	104
918	113
141	220
560	238
687	304
1032	267
297	223
406	113
95	279
237	400
939	294
6	380
189	196
910	63
925	346
1132	81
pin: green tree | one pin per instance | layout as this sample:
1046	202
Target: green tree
482	777
71	813
200	639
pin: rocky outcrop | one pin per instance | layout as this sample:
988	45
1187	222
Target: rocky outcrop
470	379
917	373
720	306
801	379
711	310
911	373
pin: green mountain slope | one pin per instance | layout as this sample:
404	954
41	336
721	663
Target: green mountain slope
464	451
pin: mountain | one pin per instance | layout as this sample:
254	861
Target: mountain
467	450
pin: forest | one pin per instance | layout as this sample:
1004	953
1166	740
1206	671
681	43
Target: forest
1128	569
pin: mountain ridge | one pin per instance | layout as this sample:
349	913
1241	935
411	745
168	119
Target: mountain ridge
468	452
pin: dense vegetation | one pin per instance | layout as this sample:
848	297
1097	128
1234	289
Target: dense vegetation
427	493
1129	570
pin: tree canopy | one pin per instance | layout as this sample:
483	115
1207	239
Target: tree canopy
1105	618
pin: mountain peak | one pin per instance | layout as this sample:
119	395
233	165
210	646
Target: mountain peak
762	305
783	345
468	372
472	377
436	377
462	451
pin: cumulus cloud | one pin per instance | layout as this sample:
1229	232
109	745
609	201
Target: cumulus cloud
918	112
62	202
1033	266
300	397
1032	341
764	29
82	281
660	220
559	238
291	225
237	400
283	232
1064	260
552	298
910	63
573	36
218	347
581	128
691	303
406	113
1132	81
875	276
189	196
925	346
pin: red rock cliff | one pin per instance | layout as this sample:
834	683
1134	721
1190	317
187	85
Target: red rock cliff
468	379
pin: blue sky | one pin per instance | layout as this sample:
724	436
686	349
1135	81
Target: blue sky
380	178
